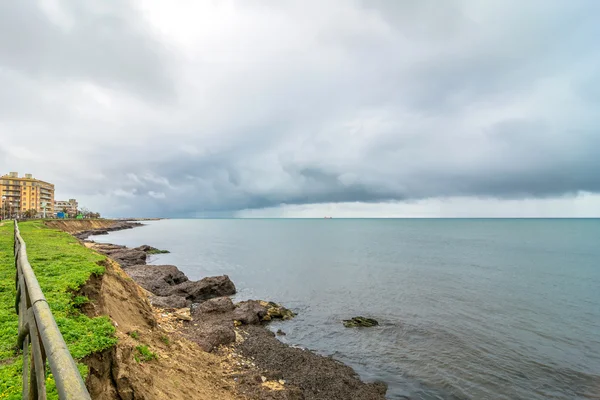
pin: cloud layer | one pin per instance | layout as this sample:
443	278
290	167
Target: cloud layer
206	108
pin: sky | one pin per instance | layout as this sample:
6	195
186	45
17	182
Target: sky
353	108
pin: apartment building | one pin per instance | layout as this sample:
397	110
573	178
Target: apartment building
20	194
68	207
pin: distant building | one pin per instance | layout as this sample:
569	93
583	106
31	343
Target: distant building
68	207
21	194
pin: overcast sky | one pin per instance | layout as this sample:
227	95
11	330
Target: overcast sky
306	108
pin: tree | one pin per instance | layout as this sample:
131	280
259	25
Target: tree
31	213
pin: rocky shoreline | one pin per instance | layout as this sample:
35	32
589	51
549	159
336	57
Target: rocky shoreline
207	316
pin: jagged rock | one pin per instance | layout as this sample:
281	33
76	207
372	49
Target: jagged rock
128	257
150	250
249	312
157	279
107	248
216	305
204	289
276	311
170	302
211	336
360	322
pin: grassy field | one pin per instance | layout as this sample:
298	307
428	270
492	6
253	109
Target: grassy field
61	265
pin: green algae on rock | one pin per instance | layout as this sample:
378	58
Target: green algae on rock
360	322
276	311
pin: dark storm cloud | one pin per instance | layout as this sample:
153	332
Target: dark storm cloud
154	108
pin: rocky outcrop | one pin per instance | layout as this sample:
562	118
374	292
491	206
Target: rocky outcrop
107	248
169	302
360	322
157	279
150	250
210	336
249	312
216	305
276	311
128	257
204	289
253	312
114	226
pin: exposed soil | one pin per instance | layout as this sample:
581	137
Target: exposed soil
84	228
181	371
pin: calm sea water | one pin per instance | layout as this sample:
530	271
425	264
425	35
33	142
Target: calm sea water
469	309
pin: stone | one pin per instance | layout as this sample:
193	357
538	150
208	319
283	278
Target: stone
276	311
360	322
169	302
204	289
157	279
280	332
128	257
150	250
216	305
107	248
213	336
249	312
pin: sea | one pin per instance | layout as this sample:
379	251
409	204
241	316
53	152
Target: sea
468	308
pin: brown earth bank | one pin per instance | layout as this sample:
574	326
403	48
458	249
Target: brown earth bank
83	228
201	344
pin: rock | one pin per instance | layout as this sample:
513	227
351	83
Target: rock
204	289
150	250
215	335
360	322
157	279
216	305
380	386
108	248
249	312
128	257
183	314
276	311
173	301
280	332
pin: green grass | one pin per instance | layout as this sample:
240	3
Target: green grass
135	335
143	354
165	340
62	266
158	251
